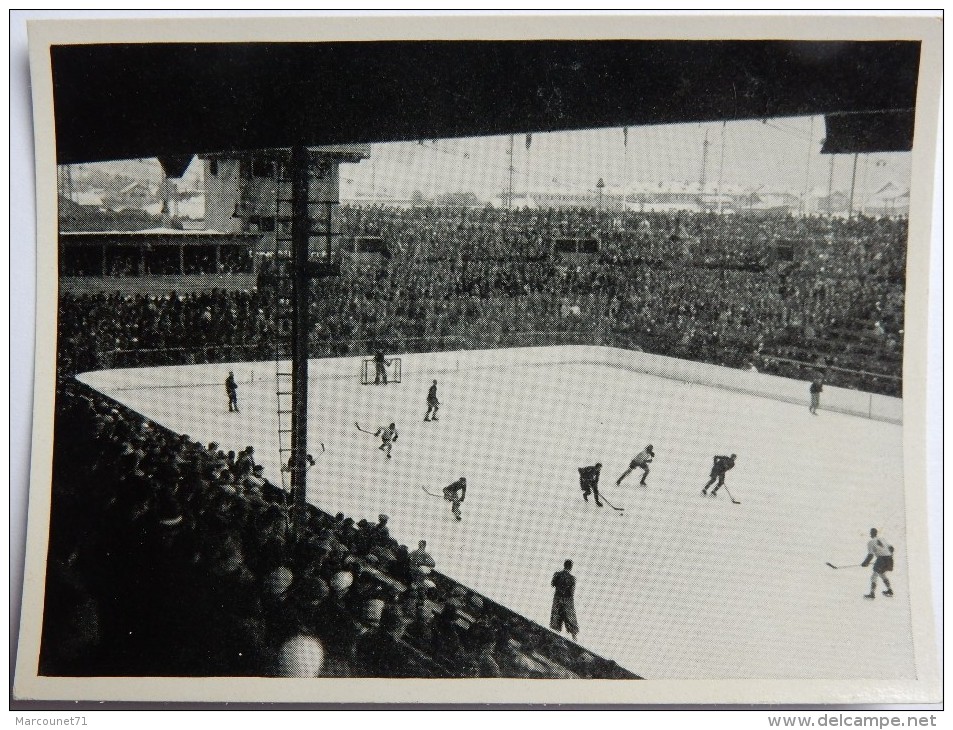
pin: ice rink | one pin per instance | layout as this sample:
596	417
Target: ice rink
676	586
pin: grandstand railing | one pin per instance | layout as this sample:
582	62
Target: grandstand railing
201	354
889	384
740	356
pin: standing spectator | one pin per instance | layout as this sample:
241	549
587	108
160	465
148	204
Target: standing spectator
564	607
445	638
379	534
245	463
421	561
231	387
379	652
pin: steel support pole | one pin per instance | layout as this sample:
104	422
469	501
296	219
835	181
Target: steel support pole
301	328
853	181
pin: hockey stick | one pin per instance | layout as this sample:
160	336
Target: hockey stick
733	500
431	493
362	430
838	567
617	509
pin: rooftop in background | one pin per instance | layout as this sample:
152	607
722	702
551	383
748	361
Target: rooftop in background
160	231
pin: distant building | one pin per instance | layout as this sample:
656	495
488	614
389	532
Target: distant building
134	196
190	207
242	189
837	203
366	199
92	198
889	200
611	199
664	197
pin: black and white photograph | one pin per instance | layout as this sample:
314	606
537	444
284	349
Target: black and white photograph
413	349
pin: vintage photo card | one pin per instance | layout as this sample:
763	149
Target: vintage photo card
571	359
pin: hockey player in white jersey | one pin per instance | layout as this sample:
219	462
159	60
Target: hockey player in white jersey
388	436
641	461
881	553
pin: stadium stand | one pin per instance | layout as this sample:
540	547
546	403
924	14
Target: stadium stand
785	295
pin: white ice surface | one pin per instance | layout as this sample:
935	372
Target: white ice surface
677	586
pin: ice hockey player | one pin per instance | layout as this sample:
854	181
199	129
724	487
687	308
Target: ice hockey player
432	403
380	368
589	482
641	461
564	608
231	387
816	387
388	436
881	553
720	466
455	494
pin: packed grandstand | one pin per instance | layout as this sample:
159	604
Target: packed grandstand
784	295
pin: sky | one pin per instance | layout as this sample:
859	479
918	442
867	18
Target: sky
777	154
773	155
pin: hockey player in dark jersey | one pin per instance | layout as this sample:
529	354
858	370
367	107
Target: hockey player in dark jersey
564	609
720	466
231	387
641	461
589	482
816	388
432	403
455	494
881	553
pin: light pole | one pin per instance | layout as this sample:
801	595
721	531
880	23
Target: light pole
599	186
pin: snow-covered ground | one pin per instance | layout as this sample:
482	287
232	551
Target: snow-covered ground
677	586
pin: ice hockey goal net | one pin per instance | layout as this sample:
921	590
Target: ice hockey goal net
392	368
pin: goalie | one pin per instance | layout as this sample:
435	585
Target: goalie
380	368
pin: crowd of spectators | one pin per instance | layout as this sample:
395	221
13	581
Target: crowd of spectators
168	557
734	290
113	330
